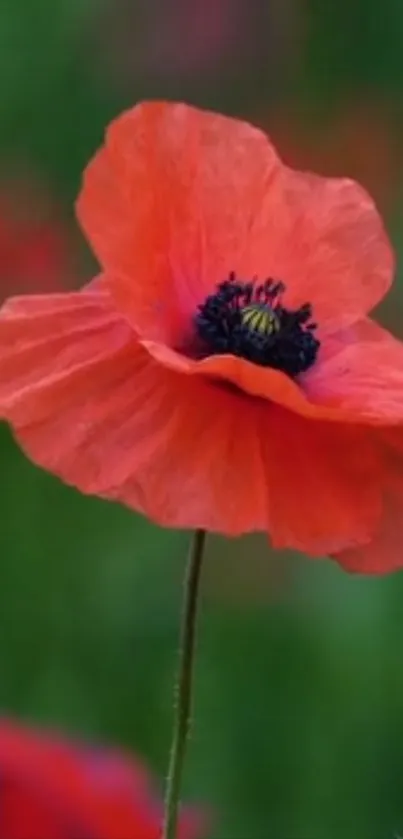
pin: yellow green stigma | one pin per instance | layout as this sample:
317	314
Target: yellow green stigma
250	320
260	318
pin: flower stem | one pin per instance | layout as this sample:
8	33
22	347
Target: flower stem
183	689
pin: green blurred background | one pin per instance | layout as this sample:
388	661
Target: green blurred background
298	718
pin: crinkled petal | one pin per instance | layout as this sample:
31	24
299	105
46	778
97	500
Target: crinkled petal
89	403
364	380
323	483
364	331
333	391
384	553
177	198
264	382
49	346
99	412
331	247
259	469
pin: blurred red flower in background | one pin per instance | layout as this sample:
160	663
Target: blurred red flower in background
55	789
182	386
35	245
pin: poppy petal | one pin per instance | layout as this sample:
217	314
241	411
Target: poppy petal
252	471
331	247
265	382
322	484
108	419
55	788
89	403
366	331
270	384
364	380
168	204
53	341
177	198
383	553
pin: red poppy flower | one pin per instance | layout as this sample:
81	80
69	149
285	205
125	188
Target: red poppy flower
222	372
34	244
52	789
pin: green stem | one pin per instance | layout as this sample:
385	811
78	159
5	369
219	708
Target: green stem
183	690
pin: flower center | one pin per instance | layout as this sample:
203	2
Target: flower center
249	320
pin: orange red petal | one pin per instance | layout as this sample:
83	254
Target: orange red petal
363	380
358	379
384	552
168	204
